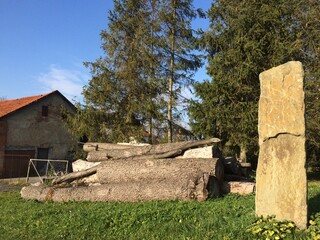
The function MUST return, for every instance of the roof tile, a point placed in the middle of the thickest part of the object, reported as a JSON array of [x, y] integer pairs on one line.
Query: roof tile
[[9, 106]]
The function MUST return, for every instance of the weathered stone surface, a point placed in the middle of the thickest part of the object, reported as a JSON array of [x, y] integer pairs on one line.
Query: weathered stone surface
[[203, 152], [281, 185], [281, 104], [242, 188]]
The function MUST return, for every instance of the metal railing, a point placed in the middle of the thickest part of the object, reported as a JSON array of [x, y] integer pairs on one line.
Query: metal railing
[[47, 169]]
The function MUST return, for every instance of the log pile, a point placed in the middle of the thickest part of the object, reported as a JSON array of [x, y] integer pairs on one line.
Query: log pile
[[144, 172], [192, 170]]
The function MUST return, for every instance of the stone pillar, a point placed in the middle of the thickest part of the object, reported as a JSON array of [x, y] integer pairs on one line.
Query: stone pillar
[[281, 184]]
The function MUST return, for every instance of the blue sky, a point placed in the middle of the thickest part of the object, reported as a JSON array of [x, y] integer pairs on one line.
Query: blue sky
[[43, 44]]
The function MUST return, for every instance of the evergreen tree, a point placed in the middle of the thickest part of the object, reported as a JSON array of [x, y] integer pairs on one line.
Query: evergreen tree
[[244, 39], [309, 18], [178, 43], [125, 91], [148, 60]]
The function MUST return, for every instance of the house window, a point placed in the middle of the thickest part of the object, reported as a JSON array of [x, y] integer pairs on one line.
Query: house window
[[44, 111], [43, 153]]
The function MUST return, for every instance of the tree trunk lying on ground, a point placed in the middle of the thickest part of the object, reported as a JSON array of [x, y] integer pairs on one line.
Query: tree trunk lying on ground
[[75, 175], [122, 170], [95, 146], [150, 151], [140, 173], [182, 188], [140, 169]]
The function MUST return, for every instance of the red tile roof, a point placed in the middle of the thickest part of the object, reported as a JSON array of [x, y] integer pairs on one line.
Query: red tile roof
[[9, 106]]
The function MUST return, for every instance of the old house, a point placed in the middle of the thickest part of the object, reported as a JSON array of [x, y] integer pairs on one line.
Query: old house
[[32, 127]]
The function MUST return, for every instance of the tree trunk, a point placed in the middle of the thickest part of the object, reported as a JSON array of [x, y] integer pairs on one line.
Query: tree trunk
[[243, 154], [171, 80], [158, 169], [167, 189], [149, 151], [75, 175], [94, 146]]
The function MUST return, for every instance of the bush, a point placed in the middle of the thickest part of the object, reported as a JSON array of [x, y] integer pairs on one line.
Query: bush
[[314, 228], [269, 228]]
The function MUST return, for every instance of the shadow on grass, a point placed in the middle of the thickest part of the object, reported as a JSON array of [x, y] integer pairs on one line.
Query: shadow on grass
[[313, 205], [313, 176]]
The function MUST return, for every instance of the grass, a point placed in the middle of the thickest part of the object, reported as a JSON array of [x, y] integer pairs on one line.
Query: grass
[[223, 218]]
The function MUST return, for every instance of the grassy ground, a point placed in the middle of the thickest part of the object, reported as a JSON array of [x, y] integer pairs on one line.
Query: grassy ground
[[223, 218]]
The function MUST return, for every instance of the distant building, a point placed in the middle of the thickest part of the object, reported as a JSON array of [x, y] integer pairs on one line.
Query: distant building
[[181, 134], [32, 127]]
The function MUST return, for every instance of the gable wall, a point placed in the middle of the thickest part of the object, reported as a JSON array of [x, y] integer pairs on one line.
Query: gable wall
[[27, 129]]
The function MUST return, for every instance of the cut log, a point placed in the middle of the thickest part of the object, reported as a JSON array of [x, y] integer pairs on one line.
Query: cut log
[[100, 156], [122, 170], [75, 175], [164, 150], [180, 189], [242, 188], [95, 146]]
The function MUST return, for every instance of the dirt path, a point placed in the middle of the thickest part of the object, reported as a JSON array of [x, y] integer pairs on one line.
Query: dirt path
[[7, 188]]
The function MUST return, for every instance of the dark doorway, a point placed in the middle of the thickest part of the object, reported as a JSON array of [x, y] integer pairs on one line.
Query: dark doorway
[[42, 153], [16, 162]]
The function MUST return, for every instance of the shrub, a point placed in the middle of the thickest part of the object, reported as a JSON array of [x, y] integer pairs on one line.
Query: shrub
[[314, 227], [269, 229]]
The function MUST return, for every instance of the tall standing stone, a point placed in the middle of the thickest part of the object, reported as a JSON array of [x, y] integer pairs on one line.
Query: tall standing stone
[[281, 185]]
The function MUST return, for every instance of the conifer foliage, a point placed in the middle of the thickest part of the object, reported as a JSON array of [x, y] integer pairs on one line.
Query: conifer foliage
[[147, 60], [244, 39]]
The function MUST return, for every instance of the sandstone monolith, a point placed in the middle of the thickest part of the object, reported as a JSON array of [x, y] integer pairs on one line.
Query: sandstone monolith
[[281, 184]]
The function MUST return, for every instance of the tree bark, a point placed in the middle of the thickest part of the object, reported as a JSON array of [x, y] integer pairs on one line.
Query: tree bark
[[75, 175], [149, 151], [158, 169], [243, 154], [179, 189], [124, 170], [94, 146], [172, 70]]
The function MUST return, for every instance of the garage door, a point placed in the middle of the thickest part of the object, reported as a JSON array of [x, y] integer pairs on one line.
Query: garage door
[[16, 163]]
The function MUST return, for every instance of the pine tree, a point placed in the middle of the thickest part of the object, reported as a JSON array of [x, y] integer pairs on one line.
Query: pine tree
[[147, 60], [309, 17], [245, 38], [125, 91], [178, 45]]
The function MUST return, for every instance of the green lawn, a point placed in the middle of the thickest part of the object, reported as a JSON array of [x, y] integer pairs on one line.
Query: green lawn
[[223, 218]]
